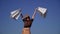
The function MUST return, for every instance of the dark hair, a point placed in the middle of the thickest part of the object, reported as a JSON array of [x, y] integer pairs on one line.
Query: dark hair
[[28, 17]]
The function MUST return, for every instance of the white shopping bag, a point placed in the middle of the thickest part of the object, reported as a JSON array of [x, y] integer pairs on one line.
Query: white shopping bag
[[15, 14], [42, 11]]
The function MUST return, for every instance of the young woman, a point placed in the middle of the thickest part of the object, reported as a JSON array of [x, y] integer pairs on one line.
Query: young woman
[[27, 23]]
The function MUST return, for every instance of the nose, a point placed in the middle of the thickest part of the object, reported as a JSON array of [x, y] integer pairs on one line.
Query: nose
[[27, 19]]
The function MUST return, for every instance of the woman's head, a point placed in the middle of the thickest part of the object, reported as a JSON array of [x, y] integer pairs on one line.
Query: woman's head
[[27, 17]]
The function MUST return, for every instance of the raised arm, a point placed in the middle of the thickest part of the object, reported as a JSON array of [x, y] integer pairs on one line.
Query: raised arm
[[34, 14], [21, 16], [21, 13]]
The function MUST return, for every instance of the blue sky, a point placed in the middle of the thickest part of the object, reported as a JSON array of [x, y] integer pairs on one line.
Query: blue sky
[[48, 25]]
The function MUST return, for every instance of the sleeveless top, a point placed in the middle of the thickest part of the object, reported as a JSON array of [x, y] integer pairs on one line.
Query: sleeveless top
[[27, 23]]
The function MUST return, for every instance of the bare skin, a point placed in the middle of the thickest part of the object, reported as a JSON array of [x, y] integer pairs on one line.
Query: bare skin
[[27, 23]]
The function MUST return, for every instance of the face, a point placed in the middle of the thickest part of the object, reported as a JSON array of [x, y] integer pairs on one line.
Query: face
[[28, 18]]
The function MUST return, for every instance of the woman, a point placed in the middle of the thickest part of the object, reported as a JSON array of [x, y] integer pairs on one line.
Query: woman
[[27, 23]]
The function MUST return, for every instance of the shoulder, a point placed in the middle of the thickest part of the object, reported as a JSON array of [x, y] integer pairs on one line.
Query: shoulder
[[32, 19]]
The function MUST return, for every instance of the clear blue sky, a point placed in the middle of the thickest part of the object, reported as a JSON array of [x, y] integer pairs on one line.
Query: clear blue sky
[[48, 25]]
